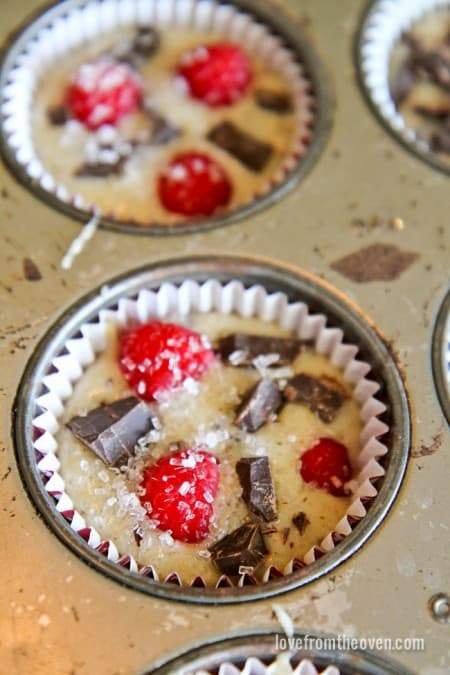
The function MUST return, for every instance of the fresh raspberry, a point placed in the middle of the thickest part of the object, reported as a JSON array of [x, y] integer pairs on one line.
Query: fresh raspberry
[[158, 357], [193, 184], [102, 93], [217, 74], [179, 493], [327, 465]]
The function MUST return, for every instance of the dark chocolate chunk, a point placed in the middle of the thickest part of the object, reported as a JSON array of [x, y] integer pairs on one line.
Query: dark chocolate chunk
[[300, 521], [258, 491], [245, 547], [57, 115], [100, 169], [376, 262], [258, 405], [434, 65], [324, 396], [162, 130], [251, 152], [439, 111], [252, 346], [137, 536], [31, 271], [137, 50], [112, 431], [276, 101]]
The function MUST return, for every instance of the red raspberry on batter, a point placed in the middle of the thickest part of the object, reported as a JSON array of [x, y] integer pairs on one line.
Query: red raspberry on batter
[[193, 184], [102, 93], [217, 74], [180, 490], [327, 465], [157, 357]]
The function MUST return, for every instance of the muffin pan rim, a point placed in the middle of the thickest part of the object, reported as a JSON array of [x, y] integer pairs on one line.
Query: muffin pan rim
[[438, 343], [413, 146], [236, 644], [283, 23], [202, 268]]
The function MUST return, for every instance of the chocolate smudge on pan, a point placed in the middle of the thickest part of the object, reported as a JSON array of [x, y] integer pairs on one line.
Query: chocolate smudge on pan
[[31, 271], [431, 448], [376, 262]]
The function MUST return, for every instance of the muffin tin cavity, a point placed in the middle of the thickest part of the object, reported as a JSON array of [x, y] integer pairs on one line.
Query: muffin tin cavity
[[441, 355], [402, 48], [254, 653], [245, 287], [131, 163]]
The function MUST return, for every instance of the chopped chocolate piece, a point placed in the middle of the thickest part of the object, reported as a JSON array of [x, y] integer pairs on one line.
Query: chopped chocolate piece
[[100, 169], [243, 547], [162, 130], [258, 491], [147, 41], [248, 347], [112, 430], [376, 262], [57, 115], [251, 152], [137, 536], [258, 405], [300, 521], [322, 395], [439, 111], [276, 101], [137, 50]]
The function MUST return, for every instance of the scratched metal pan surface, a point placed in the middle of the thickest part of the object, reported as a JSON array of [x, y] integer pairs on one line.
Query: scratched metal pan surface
[[58, 615]]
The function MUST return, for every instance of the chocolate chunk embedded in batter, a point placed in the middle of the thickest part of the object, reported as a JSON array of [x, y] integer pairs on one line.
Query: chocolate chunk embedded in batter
[[100, 169], [376, 262], [240, 349], [250, 151], [275, 101], [112, 431], [300, 521], [57, 115], [323, 396], [258, 491], [259, 404], [244, 547]]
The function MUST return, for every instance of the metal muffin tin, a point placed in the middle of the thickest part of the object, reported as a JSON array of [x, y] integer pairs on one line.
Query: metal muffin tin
[[380, 17], [297, 286], [281, 24], [441, 355], [58, 614], [261, 644]]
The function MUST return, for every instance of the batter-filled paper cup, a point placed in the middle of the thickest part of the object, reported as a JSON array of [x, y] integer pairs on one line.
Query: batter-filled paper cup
[[384, 25], [58, 34], [280, 666], [194, 299]]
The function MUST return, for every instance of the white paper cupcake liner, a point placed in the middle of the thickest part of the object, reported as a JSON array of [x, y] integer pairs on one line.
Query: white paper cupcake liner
[[280, 666], [230, 298], [383, 27], [81, 24]]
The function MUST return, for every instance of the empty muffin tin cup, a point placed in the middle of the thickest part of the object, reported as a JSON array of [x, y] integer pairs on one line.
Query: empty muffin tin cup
[[381, 29], [263, 652], [246, 287], [260, 27]]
